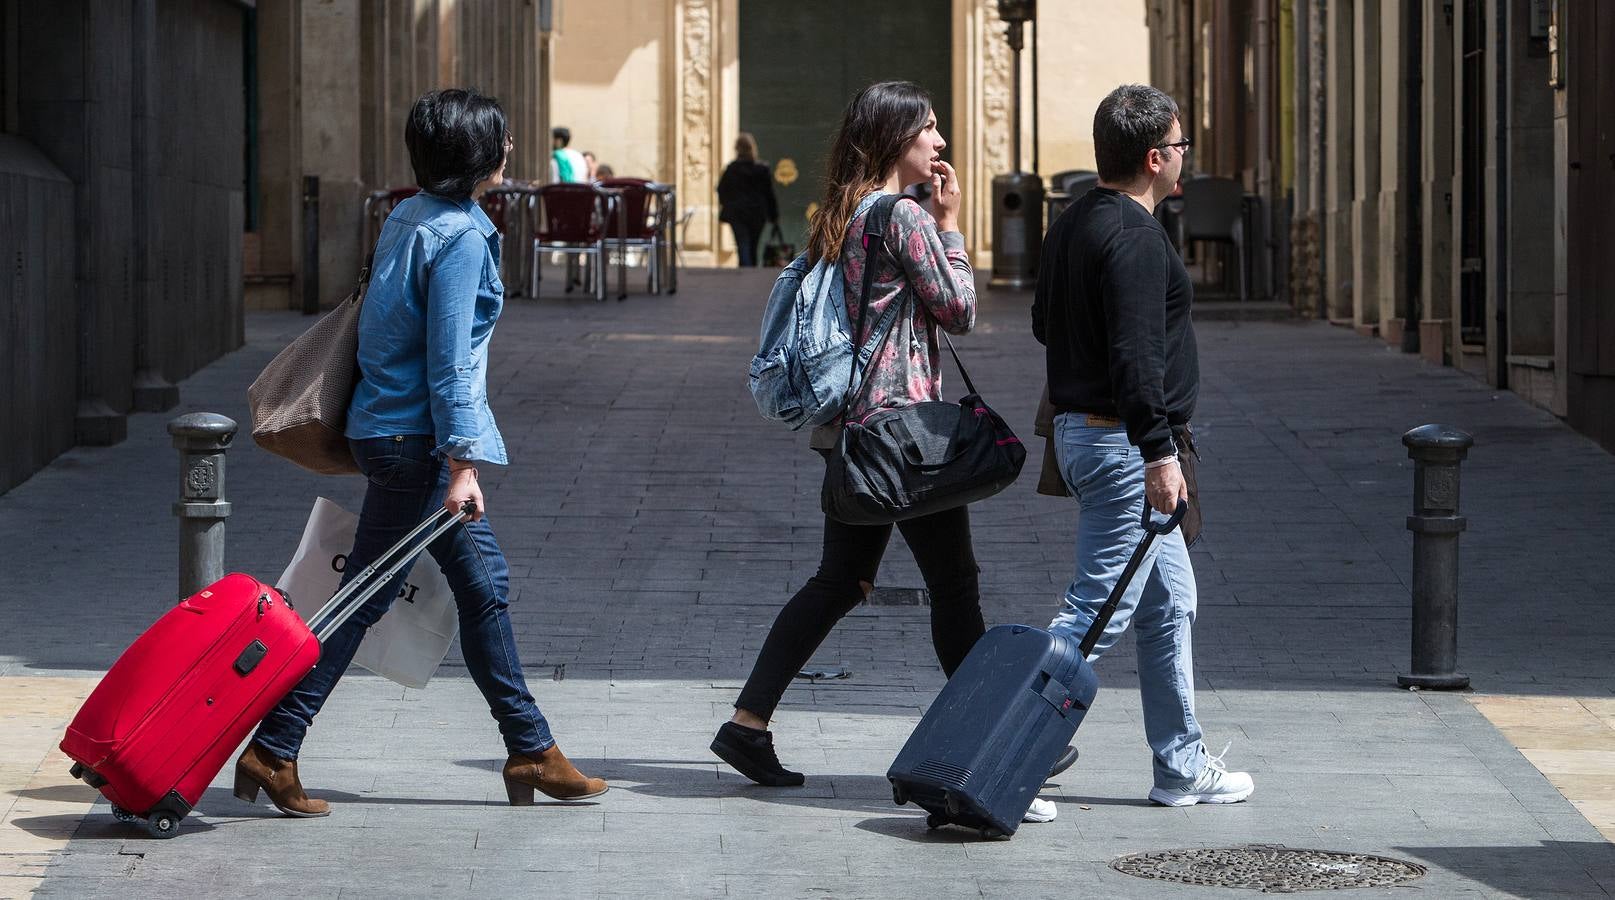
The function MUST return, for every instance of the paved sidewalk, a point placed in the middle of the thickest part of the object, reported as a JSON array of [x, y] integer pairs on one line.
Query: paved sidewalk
[[654, 525]]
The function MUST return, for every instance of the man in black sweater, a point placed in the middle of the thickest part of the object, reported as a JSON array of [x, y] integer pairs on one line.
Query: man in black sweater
[[1112, 309]]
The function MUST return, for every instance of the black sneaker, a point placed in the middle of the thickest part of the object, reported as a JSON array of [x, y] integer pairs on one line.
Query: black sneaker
[[751, 752], [1066, 760]]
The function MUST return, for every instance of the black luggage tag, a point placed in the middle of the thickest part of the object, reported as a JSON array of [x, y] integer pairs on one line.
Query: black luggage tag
[[251, 657], [1054, 692]]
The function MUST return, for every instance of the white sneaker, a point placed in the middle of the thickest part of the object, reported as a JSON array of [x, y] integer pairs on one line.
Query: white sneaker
[[1041, 811], [1215, 785]]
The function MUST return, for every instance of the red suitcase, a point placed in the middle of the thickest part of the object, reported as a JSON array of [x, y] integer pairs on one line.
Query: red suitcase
[[183, 697]]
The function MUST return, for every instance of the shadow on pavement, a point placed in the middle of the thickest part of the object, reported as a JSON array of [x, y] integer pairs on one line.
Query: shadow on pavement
[[1579, 868], [913, 830]]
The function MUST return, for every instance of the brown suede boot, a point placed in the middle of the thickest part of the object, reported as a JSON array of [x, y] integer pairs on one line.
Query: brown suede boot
[[278, 778], [550, 772]]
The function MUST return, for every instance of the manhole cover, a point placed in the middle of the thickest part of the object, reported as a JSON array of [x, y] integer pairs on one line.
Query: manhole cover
[[1271, 869]]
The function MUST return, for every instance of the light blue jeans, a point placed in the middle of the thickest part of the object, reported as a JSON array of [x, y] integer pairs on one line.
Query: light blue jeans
[[1106, 474]]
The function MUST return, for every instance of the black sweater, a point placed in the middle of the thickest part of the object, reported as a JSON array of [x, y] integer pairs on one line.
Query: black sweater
[[1112, 307], [746, 195]]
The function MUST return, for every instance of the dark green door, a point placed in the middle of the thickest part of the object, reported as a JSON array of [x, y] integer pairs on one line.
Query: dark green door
[[800, 62]]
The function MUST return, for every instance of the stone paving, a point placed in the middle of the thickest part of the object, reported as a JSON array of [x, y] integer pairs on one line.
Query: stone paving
[[654, 524]]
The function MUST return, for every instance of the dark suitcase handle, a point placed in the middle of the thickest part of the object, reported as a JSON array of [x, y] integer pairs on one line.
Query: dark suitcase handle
[[1171, 522], [1151, 531]]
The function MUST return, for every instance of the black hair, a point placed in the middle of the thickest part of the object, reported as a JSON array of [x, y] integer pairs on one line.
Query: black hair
[[562, 134], [877, 126], [1130, 122], [456, 138]]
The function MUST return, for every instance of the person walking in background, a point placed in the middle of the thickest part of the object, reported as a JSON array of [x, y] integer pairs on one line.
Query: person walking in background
[[1112, 309], [419, 426], [888, 139], [746, 198], [566, 165]]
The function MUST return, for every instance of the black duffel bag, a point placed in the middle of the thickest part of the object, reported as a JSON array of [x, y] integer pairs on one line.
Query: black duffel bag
[[896, 464]]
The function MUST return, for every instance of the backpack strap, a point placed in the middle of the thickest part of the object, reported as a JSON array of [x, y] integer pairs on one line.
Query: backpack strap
[[874, 238]]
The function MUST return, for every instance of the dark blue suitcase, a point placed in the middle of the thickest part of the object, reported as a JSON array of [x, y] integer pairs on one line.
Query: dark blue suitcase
[[983, 750]]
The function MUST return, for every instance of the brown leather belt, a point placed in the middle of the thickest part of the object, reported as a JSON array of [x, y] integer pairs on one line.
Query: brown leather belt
[[1096, 421]]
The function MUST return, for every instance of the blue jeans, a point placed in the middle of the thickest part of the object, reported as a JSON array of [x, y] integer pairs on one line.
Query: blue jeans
[[1106, 474], [406, 483]]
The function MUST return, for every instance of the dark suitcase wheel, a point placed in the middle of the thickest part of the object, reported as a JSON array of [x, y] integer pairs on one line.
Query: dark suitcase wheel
[[899, 794], [123, 815], [991, 834], [87, 775], [935, 821], [163, 824]]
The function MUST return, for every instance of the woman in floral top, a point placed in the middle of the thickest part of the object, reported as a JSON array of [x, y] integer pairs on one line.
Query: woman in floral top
[[888, 140]]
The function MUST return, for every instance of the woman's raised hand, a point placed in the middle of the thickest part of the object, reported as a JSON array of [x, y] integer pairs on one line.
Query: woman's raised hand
[[945, 196]]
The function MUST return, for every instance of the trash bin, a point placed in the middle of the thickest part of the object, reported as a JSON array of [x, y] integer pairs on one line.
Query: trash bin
[[1017, 229]]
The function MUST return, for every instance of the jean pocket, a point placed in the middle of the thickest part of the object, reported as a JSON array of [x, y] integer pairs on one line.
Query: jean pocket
[[388, 462]]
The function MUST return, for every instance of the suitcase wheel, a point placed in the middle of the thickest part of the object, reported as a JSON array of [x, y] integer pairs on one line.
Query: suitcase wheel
[[123, 815], [935, 821], [991, 834], [163, 824], [87, 775], [899, 794]]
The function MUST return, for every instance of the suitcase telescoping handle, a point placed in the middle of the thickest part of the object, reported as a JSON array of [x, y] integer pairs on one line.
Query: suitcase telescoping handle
[[1151, 531], [358, 592]]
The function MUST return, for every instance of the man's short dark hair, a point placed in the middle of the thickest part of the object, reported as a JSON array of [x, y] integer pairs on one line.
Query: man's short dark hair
[[561, 133], [1130, 121], [456, 138]]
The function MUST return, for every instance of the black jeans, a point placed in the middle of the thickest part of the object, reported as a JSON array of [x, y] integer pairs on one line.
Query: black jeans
[[746, 238], [852, 553]]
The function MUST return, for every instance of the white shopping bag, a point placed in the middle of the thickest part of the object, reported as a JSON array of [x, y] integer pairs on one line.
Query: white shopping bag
[[410, 641]]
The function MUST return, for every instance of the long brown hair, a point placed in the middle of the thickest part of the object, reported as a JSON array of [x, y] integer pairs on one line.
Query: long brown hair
[[875, 130]]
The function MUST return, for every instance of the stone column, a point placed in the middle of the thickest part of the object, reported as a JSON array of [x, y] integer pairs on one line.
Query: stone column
[[1391, 202], [1528, 183], [332, 136], [151, 392], [1365, 212], [698, 101], [1440, 101], [1561, 218], [280, 156], [982, 76], [1339, 165]]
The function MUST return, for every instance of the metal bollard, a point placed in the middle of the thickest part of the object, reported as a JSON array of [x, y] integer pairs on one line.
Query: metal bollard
[[1436, 451], [202, 439]]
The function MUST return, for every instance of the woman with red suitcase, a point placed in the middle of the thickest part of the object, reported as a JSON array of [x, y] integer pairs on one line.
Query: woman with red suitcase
[[419, 426]]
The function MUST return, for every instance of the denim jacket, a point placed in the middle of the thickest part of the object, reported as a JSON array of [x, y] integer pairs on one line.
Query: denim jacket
[[433, 300]]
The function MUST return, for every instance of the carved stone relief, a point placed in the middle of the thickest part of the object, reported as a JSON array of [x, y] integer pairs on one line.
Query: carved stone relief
[[699, 101], [996, 85]]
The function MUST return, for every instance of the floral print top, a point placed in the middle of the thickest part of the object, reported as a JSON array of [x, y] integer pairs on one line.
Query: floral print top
[[920, 263]]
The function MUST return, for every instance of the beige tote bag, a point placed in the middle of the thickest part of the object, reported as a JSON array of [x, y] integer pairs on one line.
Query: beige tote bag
[[299, 402]]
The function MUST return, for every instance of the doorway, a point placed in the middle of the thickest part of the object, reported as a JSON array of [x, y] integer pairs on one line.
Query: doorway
[[801, 62]]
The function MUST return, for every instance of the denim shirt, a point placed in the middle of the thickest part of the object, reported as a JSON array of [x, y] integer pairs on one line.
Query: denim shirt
[[433, 299]]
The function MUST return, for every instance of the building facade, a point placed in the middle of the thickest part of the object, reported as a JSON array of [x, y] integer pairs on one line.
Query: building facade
[[333, 82], [121, 192], [166, 164], [660, 89], [1432, 172]]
